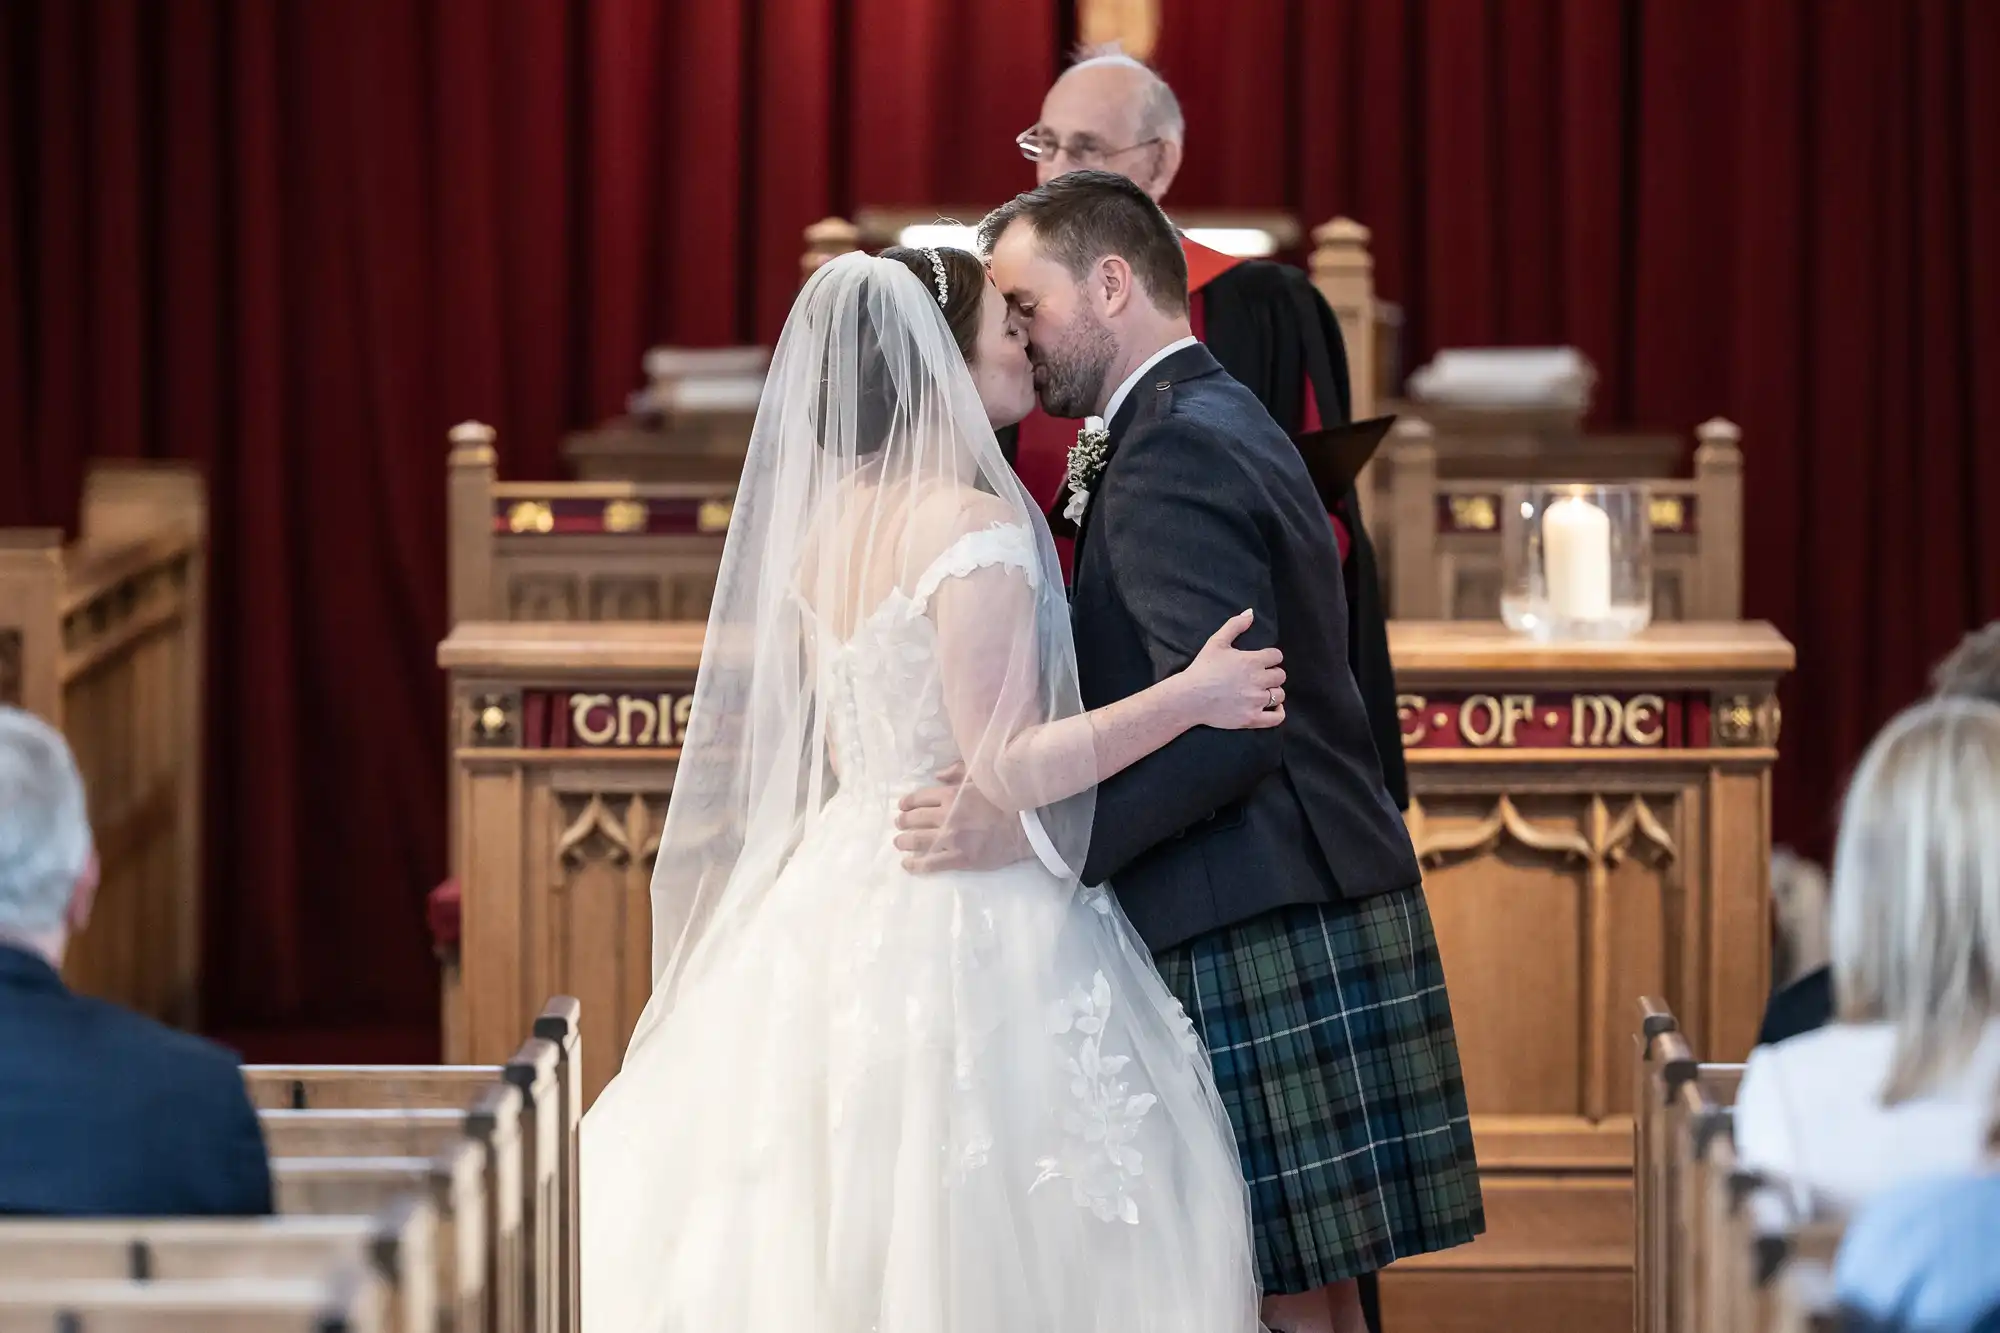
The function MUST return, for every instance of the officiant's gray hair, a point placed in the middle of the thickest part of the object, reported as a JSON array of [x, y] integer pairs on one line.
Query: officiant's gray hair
[[1159, 110]]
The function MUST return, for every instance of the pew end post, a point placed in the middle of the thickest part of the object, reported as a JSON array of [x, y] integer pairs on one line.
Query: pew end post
[[1718, 496]]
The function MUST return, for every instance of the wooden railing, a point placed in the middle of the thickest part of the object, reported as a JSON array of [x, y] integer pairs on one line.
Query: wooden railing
[[103, 637]]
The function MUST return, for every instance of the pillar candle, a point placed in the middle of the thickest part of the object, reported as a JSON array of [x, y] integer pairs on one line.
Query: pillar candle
[[1576, 559]]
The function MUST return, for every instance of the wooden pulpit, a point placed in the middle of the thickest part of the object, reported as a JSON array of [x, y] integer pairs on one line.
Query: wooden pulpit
[[565, 741], [1594, 825]]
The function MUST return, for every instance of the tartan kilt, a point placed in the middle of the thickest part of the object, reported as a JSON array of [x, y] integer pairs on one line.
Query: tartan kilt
[[1330, 1032]]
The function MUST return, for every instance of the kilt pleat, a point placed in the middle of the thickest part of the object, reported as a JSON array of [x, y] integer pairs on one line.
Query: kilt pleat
[[1330, 1031]]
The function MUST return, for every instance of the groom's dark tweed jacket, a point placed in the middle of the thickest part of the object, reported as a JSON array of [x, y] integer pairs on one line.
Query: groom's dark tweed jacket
[[1205, 508]]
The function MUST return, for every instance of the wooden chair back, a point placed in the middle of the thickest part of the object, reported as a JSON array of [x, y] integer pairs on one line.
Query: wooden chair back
[[349, 1300], [547, 1133], [1444, 560], [1664, 1063], [568, 551], [493, 1122], [453, 1183], [105, 637], [399, 1244]]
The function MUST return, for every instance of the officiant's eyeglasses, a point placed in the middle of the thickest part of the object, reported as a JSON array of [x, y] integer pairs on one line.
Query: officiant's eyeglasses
[[1041, 145]]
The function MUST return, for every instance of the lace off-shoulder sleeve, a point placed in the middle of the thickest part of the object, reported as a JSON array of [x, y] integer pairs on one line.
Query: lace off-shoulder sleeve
[[1007, 544]]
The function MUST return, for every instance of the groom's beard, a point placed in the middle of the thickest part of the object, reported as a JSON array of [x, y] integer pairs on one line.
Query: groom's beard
[[1069, 376]]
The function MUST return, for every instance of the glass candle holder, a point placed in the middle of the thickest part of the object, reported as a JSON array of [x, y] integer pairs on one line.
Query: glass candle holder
[[1576, 559]]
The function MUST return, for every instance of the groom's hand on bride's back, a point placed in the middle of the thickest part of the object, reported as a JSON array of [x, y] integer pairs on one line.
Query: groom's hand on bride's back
[[952, 827]]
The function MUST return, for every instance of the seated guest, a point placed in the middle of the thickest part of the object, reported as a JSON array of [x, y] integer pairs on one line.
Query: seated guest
[[1972, 671], [1798, 903], [1922, 1259], [1898, 1088], [102, 1112]]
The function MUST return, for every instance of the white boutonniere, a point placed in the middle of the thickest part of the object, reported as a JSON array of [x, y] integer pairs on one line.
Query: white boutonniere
[[1086, 464]]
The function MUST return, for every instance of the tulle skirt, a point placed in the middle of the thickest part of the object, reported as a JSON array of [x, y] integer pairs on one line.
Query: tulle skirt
[[957, 1103]]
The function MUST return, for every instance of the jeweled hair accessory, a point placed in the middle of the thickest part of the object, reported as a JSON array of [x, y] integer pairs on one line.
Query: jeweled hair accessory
[[937, 273]]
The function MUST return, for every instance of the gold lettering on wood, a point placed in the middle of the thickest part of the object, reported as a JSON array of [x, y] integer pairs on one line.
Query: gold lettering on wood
[[1410, 712], [581, 706], [1607, 719], [1473, 733], [644, 709], [1637, 709], [1473, 513], [531, 516], [683, 710], [713, 515], [1639, 721], [626, 516], [1503, 713]]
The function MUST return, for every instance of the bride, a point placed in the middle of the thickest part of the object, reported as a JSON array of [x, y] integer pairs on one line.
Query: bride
[[862, 1100]]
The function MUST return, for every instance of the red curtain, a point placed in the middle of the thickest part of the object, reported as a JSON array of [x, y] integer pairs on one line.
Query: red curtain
[[1780, 211], [297, 241]]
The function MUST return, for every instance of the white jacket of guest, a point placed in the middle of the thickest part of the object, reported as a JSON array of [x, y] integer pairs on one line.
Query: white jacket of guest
[[1813, 1110]]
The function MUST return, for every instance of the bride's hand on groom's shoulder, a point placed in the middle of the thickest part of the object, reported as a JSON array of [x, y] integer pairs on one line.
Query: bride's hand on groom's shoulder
[[1232, 689], [953, 827]]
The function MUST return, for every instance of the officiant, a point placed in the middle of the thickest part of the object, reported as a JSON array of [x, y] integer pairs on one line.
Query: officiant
[[1264, 321]]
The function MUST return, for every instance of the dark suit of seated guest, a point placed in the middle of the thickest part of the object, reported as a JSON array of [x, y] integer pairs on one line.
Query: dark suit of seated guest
[[102, 1112], [1805, 1005]]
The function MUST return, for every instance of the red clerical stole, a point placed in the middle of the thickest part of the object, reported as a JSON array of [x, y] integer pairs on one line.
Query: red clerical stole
[[1043, 443]]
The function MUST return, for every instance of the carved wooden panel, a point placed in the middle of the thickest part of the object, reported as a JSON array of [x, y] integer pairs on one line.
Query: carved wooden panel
[[1548, 906], [541, 596], [629, 597], [597, 943]]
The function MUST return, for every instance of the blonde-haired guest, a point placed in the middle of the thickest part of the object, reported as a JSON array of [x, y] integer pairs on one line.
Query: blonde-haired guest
[[1898, 1088]]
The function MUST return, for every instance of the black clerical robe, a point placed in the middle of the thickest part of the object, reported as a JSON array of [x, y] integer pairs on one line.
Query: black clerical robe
[[1273, 333]]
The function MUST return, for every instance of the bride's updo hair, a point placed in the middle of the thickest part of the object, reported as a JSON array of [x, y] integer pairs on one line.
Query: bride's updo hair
[[867, 379], [965, 288]]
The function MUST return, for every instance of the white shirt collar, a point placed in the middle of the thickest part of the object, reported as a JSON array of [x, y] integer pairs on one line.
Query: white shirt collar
[[1125, 389]]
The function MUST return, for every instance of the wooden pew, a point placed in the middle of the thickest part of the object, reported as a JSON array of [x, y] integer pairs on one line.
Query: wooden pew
[[1715, 1242], [454, 1184], [548, 1129], [350, 1300], [493, 1122], [1443, 545], [1803, 1301], [398, 1244], [572, 550], [1664, 1063], [104, 637], [1753, 1235]]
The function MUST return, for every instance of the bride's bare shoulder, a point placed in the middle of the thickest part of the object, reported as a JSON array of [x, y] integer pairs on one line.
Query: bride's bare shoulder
[[952, 511]]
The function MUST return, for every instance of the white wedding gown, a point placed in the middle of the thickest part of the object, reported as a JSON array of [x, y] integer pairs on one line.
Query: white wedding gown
[[957, 1103]]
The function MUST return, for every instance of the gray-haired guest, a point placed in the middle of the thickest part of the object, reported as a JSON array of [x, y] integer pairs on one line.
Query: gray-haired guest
[[102, 1112]]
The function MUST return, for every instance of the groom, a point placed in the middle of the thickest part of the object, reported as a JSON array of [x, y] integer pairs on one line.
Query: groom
[[1269, 871]]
